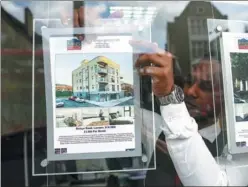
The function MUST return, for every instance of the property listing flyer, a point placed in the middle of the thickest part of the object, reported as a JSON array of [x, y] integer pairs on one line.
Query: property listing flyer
[[240, 88], [93, 97], [235, 71]]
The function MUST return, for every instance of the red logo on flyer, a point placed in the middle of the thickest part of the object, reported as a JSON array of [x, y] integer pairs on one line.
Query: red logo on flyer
[[243, 43], [74, 44]]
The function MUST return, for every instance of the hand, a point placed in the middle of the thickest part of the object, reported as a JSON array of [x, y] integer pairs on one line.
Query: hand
[[92, 14], [161, 70]]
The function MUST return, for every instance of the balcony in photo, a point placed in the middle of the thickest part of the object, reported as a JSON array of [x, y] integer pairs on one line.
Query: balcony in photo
[[102, 70], [102, 80]]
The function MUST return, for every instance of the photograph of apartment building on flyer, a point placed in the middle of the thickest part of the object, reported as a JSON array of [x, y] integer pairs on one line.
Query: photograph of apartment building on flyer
[[92, 80]]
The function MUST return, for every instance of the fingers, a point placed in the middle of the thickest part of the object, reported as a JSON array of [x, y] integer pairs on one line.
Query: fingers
[[78, 17], [75, 18], [156, 59], [150, 58], [76, 23], [81, 14], [64, 17], [152, 71]]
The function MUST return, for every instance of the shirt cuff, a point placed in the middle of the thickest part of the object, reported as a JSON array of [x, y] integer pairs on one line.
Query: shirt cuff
[[178, 123]]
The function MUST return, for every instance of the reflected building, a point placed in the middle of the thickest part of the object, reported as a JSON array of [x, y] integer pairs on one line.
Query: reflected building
[[16, 98], [16, 72], [187, 36]]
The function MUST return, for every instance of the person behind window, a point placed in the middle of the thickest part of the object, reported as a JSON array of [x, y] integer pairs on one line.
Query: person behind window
[[199, 101], [192, 159]]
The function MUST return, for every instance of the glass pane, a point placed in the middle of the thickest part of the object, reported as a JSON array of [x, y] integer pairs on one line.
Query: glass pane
[[230, 44], [181, 27], [92, 126]]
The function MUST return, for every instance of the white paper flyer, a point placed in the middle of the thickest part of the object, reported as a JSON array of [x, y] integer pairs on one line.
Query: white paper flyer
[[93, 95], [235, 69]]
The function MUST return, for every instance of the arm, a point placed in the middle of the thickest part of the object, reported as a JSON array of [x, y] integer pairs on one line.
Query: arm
[[192, 159]]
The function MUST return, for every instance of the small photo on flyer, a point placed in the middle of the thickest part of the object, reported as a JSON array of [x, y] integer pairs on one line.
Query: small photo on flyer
[[66, 118], [121, 115], [95, 116]]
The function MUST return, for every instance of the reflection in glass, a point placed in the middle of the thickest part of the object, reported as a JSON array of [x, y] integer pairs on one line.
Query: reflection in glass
[[16, 75]]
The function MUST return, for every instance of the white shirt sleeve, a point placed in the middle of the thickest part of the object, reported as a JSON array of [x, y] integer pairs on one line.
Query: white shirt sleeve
[[192, 159]]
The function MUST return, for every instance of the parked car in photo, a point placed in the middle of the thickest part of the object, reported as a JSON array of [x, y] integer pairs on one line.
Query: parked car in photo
[[59, 103], [80, 100], [72, 98]]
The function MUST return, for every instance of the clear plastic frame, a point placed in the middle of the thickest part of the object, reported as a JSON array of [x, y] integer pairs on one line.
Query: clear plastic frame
[[93, 99], [228, 45]]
